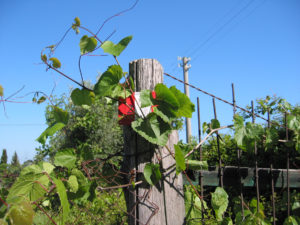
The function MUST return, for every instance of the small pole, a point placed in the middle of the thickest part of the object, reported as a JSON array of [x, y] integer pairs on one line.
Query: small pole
[[256, 166], [238, 156], [186, 68], [200, 150], [218, 146], [287, 166], [272, 177]]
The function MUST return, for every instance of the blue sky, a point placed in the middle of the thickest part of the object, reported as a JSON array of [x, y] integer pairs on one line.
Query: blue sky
[[254, 44]]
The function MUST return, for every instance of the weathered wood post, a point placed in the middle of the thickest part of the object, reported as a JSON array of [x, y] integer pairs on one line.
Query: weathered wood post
[[164, 202]]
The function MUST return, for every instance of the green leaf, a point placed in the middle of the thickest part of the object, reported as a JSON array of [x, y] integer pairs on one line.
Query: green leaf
[[153, 129], [165, 95], [186, 107], [77, 21], [73, 184], [145, 98], [293, 122], [152, 173], [21, 214], [60, 115], [55, 62], [240, 130], [180, 161], [109, 81], [49, 132], [205, 127], [290, 221], [28, 186], [2, 222], [65, 158], [44, 58], [82, 97], [271, 137], [219, 202], [41, 100], [116, 50], [196, 165], [1, 90], [62, 193], [215, 124], [87, 44], [193, 206]]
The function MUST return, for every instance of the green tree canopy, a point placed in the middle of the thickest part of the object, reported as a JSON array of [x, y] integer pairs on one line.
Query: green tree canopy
[[3, 157]]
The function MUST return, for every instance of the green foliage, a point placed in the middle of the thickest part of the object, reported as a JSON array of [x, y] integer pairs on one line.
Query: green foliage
[[116, 49], [76, 25], [3, 157], [196, 165], [49, 132], [87, 44], [292, 221], [152, 173], [82, 97]]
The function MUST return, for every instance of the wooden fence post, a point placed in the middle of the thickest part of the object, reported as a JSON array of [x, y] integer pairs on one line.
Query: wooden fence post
[[164, 202]]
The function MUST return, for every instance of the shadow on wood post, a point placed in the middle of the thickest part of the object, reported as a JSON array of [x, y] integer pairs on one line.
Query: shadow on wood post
[[163, 203]]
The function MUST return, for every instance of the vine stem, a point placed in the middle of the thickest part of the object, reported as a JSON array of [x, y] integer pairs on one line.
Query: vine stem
[[205, 138], [49, 217]]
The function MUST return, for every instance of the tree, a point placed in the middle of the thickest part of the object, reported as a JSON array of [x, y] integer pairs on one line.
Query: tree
[[4, 157], [15, 160]]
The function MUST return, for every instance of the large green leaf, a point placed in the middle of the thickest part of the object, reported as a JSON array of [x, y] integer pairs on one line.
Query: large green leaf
[[219, 202], [180, 161], [60, 115], [145, 98], [152, 173], [290, 221], [49, 132], [117, 49], [28, 186], [109, 81], [65, 158], [21, 214], [165, 95], [240, 130], [186, 107], [62, 193], [87, 44], [153, 129], [82, 97], [196, 165]]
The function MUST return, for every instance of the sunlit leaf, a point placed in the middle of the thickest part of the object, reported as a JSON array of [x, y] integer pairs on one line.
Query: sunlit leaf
[[73, 184], [196, 165], [62, 193], [116, 50], [41, 100], [108, 81], [1, 90], [87, 44], [44, 58], [21, 214], [152, 173], [65, 158], [215, 124], [153, 129], [82, 97], [77, 21], [180, 161], [60, 115], [219, 202], [49, 132], [55, 62]]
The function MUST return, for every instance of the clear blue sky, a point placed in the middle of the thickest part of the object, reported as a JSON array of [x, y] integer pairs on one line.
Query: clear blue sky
[[253, 43]]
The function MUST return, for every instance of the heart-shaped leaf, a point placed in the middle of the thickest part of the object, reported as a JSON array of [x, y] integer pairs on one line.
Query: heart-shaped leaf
[[116, 50], [109, 81], [152, 173], [87, 44], [153, 129], [82, 97], [65, 158]]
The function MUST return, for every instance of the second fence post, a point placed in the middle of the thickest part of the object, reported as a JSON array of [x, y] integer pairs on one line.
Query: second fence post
[[164, 202]]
